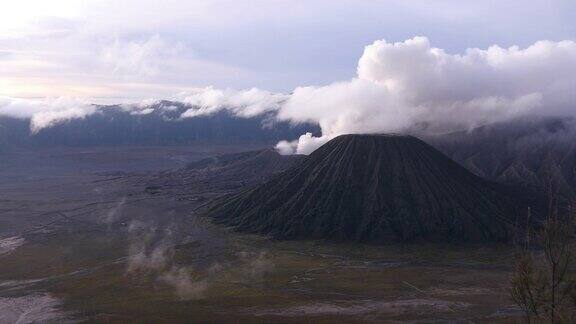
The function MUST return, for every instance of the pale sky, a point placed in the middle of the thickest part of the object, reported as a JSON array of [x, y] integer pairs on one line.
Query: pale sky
[[135, 49]]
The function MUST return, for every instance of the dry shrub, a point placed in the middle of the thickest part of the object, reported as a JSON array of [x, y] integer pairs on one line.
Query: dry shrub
[[543, 283]]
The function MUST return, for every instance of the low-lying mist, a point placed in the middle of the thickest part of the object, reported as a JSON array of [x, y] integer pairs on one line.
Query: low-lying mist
[[152, 253]]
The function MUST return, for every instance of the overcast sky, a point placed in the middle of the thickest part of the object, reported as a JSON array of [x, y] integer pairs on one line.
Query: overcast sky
[[153, 49]]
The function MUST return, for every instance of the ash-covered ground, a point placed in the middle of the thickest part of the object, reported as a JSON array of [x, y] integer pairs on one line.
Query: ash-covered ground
[[115, 235]]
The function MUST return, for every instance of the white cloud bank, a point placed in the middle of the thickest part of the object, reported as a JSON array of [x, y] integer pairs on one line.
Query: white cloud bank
[[399, 85], [49, 112], [406, 84], [45, 113], [245, 103]]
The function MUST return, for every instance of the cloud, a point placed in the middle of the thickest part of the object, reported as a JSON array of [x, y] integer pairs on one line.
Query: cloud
[[96, 48], [145, 111], [245, 103], [400, 85], [80, 63], [49, 112], [46, 119], [45, 113], [406, 84], [426, 76], [140, 58]]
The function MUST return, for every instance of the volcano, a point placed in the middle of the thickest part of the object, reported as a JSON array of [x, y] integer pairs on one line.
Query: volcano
[[374, 188]]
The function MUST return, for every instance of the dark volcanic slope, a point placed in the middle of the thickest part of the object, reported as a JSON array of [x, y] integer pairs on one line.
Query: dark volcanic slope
[[226, 172], [372, 188], [244, 164], [531, 152], [246, 168]]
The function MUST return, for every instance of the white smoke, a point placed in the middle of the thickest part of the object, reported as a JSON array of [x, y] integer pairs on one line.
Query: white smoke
[[305, 144], [185, 286], [152, 252], [9, 244], [254, 266], [34, 308], [150, 248]]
